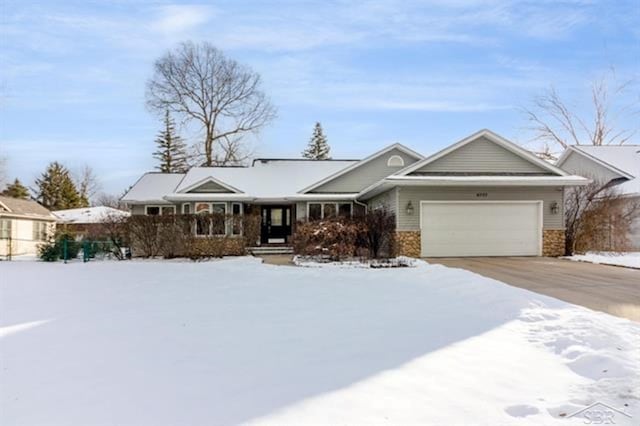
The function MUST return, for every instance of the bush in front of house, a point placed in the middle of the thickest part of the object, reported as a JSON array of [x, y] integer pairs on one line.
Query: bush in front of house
[[173, 236], [371, 235], [55, 249], [333, 239]]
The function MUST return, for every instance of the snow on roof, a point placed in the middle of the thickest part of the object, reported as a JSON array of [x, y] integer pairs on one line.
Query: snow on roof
[[18, 206], [88, 214], [269, 179], [152, 187], [622, 157]]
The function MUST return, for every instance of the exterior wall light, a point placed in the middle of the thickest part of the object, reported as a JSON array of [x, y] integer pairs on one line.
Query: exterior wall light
[[554, 207], [409, 209]]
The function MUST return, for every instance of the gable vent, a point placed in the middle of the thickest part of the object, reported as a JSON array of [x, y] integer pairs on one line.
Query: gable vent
[[395, 161]]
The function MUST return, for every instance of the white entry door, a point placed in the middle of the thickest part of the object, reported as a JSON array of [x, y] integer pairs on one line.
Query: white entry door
[[481, 228]]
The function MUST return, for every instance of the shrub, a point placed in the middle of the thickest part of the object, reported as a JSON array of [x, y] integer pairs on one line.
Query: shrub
[[598, 217], [49, 252], [331, 238], [55, 250], [371, 235], [380, 226], [174, 235]]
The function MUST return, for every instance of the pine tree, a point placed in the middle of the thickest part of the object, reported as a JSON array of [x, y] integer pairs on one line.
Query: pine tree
[[172, 151], [318, 148], [16, 190], [56, 190]]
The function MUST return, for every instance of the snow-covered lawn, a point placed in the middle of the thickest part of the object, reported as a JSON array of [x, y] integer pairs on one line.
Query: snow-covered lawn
[[628, 259], [235, 341]]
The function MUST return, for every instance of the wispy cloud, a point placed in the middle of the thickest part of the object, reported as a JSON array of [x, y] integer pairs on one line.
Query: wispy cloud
[[173, 19]]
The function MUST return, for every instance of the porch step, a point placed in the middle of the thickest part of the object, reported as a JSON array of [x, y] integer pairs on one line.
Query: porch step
[[262, 250]]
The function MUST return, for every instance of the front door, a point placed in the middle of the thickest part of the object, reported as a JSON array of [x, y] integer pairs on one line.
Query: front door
[[276, 224]]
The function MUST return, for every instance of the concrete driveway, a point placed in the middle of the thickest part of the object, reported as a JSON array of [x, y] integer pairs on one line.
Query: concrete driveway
[[610, 289]]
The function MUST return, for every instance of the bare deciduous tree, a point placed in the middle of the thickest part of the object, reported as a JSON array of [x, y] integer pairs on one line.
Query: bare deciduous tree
[[597, 217], [200, 84], [87, 183], [108, 200], [557, 125]]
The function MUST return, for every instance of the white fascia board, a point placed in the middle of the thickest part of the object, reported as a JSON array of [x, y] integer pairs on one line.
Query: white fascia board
[[354, 166], [50, 218], [143, 202], [576, 149], [492, 136], [5, 207], [489, 180], [304, 197]]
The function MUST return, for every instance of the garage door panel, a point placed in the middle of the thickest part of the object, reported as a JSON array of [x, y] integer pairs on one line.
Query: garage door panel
[[480, 229]]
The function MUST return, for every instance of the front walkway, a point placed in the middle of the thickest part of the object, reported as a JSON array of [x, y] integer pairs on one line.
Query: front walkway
[[610, 289], [277, 259]]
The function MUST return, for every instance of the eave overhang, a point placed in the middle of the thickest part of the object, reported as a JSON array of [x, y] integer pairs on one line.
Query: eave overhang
[[483, 181]]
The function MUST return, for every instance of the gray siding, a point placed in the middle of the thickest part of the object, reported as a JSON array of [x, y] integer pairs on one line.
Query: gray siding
[[417, 194], [634, 234], [365, 175], [208, 187], [386, 199], [301, 210], [583, 166], [482, 156], [137, 209]]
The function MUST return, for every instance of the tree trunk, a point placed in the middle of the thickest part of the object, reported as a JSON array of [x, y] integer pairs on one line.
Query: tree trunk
[[208, 148]]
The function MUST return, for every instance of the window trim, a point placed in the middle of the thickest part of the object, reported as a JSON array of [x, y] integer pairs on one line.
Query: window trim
[[182, 208], [335, 203]]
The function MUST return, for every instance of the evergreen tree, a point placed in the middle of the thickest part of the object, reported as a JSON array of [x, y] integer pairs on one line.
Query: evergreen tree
[[318, 148], [172, 152], [16, 190], [56, 190]]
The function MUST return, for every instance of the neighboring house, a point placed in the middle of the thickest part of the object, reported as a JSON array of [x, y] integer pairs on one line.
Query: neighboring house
[[24, 225], [483, 196], [616, 165], [87, 220]]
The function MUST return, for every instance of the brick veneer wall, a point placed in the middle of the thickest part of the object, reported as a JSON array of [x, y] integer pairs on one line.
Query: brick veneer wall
[[408, 243], [553, 242]]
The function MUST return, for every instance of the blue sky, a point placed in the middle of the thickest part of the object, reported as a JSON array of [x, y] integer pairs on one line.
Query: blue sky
[[423, 73]]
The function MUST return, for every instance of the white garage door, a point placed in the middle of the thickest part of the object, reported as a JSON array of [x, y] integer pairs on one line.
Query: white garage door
[[481, 228]]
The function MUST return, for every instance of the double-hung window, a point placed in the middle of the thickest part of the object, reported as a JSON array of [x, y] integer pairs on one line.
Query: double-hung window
[[236, 225], [39, 231], [211, 219], [159, 210], [218, 219], [5, 229], [317, 211]]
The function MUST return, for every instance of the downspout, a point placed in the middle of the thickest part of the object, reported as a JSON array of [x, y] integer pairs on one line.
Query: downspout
[[366, 207]]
